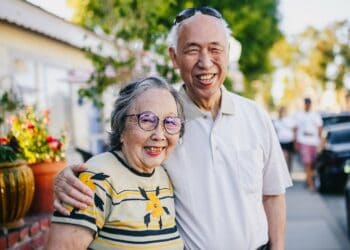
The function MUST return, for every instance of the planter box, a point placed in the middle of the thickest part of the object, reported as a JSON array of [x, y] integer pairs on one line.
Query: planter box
[[16, 193], [44, 174]]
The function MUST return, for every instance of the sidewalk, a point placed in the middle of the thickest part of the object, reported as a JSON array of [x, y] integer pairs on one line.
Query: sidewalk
[[310, 223]]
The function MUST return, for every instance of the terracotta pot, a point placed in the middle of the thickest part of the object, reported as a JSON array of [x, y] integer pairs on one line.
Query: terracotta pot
[[16, 192], [44, 174]]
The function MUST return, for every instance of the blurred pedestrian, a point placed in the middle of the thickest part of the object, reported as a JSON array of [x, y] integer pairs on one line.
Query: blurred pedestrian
[[347, 102], [284, 126], [308, 135]]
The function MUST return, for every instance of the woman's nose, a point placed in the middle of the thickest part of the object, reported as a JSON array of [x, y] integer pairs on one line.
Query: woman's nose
[[159, 132]]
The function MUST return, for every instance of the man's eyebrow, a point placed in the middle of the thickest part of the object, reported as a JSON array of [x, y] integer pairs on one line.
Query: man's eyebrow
[[192, 44], [217, 44]]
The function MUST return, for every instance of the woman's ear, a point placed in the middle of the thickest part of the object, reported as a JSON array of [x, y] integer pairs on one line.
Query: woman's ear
[[121, 138]]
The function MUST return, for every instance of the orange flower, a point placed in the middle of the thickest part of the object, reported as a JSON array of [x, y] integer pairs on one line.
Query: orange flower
[[4, 140], [53, 143], [35, 142]]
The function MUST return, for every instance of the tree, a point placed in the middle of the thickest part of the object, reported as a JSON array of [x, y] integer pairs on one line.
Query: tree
[[314, 56], [254, 24]]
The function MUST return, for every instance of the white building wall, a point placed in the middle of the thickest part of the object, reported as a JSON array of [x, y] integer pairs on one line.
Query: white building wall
[[39, 67]]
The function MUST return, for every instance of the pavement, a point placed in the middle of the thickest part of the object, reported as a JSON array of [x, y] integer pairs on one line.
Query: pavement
[[311, 225]]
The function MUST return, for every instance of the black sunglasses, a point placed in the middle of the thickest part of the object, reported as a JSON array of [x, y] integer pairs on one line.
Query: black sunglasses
[[187, 13]]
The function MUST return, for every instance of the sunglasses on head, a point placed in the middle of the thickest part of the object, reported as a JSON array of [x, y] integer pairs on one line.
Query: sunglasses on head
[[187, 13]]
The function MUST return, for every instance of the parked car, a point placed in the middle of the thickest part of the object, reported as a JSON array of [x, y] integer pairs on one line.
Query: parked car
[[347, 202], [331, 172], [330, 119]]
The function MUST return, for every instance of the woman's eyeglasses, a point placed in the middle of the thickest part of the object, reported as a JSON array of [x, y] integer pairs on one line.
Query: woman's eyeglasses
[[149, 121], [187, 13]]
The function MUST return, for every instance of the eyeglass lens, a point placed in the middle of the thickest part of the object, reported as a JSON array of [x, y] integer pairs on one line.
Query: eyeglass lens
[[149, 121]]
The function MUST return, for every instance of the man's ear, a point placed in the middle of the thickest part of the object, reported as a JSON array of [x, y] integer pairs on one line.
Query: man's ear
[[173, 57]]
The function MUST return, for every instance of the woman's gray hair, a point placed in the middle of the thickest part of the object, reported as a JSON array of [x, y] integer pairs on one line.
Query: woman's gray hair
[[126, 98], [173, 35]]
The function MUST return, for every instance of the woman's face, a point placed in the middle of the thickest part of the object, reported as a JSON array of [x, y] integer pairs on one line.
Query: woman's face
[[145, 150]]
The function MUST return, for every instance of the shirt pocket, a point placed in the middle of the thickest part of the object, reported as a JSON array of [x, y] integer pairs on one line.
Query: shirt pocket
[[250, 167]]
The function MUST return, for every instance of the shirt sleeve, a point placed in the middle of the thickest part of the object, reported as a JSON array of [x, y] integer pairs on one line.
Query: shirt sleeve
[[94, 216], [276, 177]]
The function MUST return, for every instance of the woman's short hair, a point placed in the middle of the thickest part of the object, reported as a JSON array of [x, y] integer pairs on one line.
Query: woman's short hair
[[126, 98]]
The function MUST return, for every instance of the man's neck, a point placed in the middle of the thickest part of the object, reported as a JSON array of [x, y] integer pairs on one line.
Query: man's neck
[[211, 105]]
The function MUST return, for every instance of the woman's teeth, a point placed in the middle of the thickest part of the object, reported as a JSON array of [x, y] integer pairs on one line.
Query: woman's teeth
[[154, 149]]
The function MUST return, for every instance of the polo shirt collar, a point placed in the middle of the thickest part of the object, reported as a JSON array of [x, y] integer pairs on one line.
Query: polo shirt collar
[[191, 111]]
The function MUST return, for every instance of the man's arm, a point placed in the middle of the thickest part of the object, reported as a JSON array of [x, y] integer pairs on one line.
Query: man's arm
[[275, 209], [70, 190]]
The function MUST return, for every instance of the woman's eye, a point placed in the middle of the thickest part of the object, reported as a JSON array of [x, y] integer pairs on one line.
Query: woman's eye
[[147, 119]]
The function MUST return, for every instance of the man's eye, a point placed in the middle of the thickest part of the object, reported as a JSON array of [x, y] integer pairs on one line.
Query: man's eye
[[216, 50], [192, 51]]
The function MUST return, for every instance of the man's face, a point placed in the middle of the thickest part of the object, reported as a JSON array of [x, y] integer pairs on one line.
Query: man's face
[[201, 56], [307, 106]]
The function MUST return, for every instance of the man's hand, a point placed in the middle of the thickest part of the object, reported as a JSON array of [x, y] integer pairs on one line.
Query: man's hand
[[70, 190]]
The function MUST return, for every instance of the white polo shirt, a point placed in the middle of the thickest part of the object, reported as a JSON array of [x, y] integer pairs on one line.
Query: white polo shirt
[[308, 124], [220, 172], [284, 128]]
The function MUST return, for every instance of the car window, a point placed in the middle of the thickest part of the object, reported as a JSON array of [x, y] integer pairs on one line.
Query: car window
[[338, 137], [335, 119]]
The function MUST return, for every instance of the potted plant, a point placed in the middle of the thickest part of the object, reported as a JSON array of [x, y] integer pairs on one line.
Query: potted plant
[[16, 184], [44, 153]]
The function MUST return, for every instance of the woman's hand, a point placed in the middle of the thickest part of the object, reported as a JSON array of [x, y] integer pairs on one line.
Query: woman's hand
[[70, 190]]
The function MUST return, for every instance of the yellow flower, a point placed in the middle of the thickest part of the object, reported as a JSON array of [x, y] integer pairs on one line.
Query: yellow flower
[[85, 177], [154, 206], [36, 144]]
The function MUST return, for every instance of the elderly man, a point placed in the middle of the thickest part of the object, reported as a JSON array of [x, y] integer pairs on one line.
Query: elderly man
[[229, 173]]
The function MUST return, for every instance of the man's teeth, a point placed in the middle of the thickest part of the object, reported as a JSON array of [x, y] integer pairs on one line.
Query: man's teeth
[[206, 76]]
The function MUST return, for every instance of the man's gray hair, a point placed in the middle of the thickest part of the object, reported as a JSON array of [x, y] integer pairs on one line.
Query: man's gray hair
[[173, 35], [127, 97]]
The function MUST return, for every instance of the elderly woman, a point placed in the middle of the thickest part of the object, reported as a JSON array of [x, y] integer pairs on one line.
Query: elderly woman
[[133, 196]]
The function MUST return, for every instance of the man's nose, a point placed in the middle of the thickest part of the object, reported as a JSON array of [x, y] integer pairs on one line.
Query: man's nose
[[205, 60]]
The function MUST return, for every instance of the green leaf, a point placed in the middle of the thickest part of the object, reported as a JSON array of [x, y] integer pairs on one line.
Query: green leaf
[[166, 210], [143, 193], [160, 222], [147, 219], [98, 202], [99, 176]]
